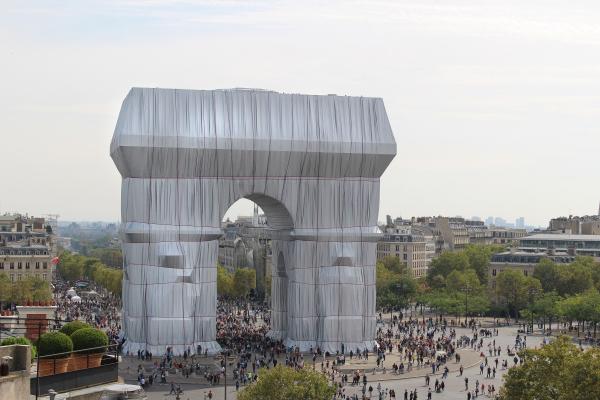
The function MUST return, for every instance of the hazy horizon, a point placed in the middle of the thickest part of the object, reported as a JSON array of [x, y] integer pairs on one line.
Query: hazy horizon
[[495, 106]]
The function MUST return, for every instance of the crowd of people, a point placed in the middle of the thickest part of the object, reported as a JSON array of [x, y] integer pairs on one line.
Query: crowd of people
[[402, 345], [92, 304]]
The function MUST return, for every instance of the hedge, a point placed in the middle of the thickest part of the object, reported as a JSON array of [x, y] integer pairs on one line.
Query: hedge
[[71, 327], [53, 343], [20, 340], [89, 338]]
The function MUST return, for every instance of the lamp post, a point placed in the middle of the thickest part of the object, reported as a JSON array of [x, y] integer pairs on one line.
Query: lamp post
[[224, 353], [532, 292], [467, 288], [402, 288]]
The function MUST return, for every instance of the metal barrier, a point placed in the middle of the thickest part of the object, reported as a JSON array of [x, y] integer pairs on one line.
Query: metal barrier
[[84, 373]]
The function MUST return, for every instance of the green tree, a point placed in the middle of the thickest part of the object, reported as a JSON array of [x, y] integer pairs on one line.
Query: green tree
[[244, 279], [443, 265], [583, 307], [557, 371], [224, 282], [547, 273], [513, 290], [393, 264], [395, 287], [479, 257], [70, 266], [40, 289], [574, 278], [284, 383], [546, 307], [109, 256], [5, 288]]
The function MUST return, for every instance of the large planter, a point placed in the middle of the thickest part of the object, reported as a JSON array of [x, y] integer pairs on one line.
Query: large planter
[[52, 366], [54, 349], [83, 361], [90, 345]]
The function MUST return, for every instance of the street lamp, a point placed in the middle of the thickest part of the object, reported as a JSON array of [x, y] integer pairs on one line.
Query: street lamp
[[401, 287], [467, 288], [532, 292]]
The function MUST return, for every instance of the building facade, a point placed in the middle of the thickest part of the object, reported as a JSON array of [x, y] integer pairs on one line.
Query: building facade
[[505, 236], [582, 245], [586, 225], [26, 248], [522, 261], [411, 246]]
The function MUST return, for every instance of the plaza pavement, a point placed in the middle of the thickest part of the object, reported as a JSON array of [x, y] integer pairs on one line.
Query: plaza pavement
[[455, 386]]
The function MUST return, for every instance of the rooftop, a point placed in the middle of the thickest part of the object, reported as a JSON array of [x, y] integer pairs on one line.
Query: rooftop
[[563, 236]]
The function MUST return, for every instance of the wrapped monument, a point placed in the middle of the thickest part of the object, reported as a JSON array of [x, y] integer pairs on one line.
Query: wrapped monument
[[312, 163]]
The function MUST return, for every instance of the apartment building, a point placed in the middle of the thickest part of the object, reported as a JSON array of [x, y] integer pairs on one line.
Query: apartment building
[[414, 247], [26, 247]]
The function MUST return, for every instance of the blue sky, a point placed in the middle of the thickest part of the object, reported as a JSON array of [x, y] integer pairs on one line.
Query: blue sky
[[495, 104]]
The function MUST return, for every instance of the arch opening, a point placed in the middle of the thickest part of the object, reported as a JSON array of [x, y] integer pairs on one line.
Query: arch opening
[[257, 240]]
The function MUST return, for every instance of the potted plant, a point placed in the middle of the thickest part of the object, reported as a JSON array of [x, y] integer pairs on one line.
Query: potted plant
[[70, 327], [20, 340], [89, 345], [55, 350]]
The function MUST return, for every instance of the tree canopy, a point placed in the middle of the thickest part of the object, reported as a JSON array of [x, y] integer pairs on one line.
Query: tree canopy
[[31, 288], [235, 284], [75, 266], [557, 371], [395, 285], [515, 290], [284, 383]]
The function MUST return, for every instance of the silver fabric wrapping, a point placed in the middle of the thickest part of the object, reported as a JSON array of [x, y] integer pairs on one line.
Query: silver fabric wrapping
[[312, 163]]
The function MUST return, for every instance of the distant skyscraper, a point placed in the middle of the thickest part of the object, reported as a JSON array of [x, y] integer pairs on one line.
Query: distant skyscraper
[[489, 221], [475, 218], [520, 222], [499, 221]]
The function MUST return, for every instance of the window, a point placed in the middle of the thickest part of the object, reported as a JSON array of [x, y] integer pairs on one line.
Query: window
[[19, 265], [37, 265], [27, 265], [397, 247], [19, 277], [525, 272], [12, 266], [1, 265], [493, 272], [12, 277], [45, 277]]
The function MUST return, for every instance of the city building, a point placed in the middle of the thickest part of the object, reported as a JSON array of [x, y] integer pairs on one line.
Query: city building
[[584, 245], [478, 232], [27, 247], [506, 236], [522, 261], [520, 223], [414, 247], [586, 225]]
